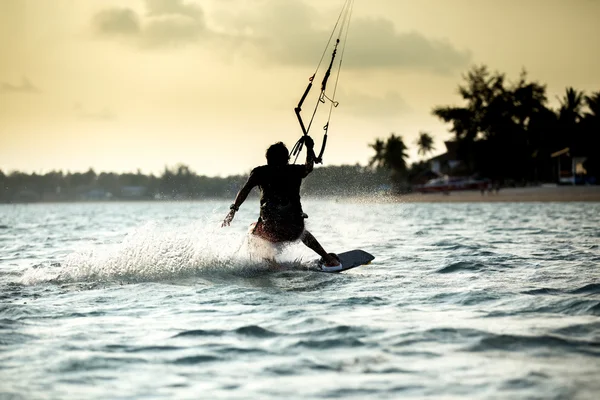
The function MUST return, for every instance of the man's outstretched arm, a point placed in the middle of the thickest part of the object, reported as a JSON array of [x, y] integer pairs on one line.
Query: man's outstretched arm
[[310, 154], [239, 200]]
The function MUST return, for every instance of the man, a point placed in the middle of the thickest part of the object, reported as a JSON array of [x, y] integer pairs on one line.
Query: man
[[281, 216]]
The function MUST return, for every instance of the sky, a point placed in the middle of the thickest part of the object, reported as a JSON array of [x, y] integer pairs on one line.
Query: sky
[[119, 85]]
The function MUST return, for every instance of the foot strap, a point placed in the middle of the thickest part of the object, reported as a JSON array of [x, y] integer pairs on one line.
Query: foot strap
[[332, 268]]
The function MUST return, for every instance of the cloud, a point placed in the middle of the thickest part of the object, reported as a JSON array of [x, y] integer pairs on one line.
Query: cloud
[[288, 34], [165, 23], [172, 30], [102, 115], [376, 44], [117, 21], [276, 32], [174, 7], [24, 87]]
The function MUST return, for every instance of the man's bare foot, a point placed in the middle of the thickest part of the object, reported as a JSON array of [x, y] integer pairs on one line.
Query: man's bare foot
[[331, 260]]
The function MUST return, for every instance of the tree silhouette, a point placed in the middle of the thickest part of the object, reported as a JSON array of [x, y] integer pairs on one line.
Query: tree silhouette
[[395, 154], [424, 143], [504, 130], [591, 134], [378, 159], [391, 155], [593, 103], [571, 106]]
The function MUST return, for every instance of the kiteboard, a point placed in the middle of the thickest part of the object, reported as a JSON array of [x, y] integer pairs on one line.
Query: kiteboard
[[349, 259]]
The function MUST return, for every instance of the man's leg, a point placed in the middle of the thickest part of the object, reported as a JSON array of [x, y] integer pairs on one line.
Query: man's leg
[[309, 240]]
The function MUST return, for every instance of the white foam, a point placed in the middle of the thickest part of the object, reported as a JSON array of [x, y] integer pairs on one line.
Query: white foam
[[155, 252]]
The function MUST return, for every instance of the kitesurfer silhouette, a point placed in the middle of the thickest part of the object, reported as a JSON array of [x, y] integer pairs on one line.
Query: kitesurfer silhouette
[[281, 216]]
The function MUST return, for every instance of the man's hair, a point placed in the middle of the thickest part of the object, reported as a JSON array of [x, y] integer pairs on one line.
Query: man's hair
[[277, 154]]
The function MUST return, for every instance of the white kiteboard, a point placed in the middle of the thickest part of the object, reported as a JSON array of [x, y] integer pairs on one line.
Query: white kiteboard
[[349, 259]]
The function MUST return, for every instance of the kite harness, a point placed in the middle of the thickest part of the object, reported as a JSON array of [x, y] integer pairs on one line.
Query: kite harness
[[341, 27]]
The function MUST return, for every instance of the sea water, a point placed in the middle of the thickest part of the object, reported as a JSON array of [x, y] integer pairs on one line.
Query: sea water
[[156, 300]]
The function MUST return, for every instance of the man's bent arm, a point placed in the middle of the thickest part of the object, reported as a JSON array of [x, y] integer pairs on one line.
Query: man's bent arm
[[239, 199], [243, 194], [310, 160]]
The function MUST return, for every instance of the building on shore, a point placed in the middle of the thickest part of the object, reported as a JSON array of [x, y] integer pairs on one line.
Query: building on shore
[[569, 166], [443, 164]]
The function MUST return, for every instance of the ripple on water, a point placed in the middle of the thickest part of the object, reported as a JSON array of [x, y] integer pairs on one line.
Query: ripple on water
[[569, 306], [461, 266], [547, 291], [530, 380], [141, 349], [589, 331], [547, 343], [255, 331], [325, 344], [91, 363], [550, 304], [592, 288], [199, 333], [197, 359], [248, 331]]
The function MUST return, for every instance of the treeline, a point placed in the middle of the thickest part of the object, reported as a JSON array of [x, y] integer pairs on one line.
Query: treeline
[[179, 183], [507, 130]]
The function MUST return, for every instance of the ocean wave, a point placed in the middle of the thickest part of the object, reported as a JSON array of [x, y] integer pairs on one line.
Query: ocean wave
[[364, 300], [324, 344], [506, 342], [589, 288], [248, 331], [550, 291], [144, 349], [461, 266], [199, 333], [441, 335], [552, 305], [255, 331], [590, 330], [17, 312], [450, 245], [466, 298], [572, 306], [339, 331], [530, 380], [92, 363], [194, 360]]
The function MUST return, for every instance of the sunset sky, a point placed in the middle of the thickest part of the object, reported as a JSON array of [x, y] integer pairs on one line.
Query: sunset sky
[[119, 85]]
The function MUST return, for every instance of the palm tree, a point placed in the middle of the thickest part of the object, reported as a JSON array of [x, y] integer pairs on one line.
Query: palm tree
[[593, 103], [395, 154], [591, 133], [391, 155], [570, 115], [425, 143], [571, 106], [378, 159]]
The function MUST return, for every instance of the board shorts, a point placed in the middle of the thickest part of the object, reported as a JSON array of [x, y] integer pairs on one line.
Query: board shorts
[[277, 232], [279, 223], [279, 228]]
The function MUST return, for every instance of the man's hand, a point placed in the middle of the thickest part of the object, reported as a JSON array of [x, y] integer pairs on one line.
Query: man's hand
[[308, 142], [228, 218]]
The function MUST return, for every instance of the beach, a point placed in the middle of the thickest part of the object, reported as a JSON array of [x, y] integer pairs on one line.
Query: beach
[[523, 194]]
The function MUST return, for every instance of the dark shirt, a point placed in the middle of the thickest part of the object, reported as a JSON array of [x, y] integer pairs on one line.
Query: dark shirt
[[279, 190]]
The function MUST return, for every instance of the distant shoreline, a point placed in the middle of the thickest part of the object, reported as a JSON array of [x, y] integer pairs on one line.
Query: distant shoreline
[[547, 193], [505, 195]]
